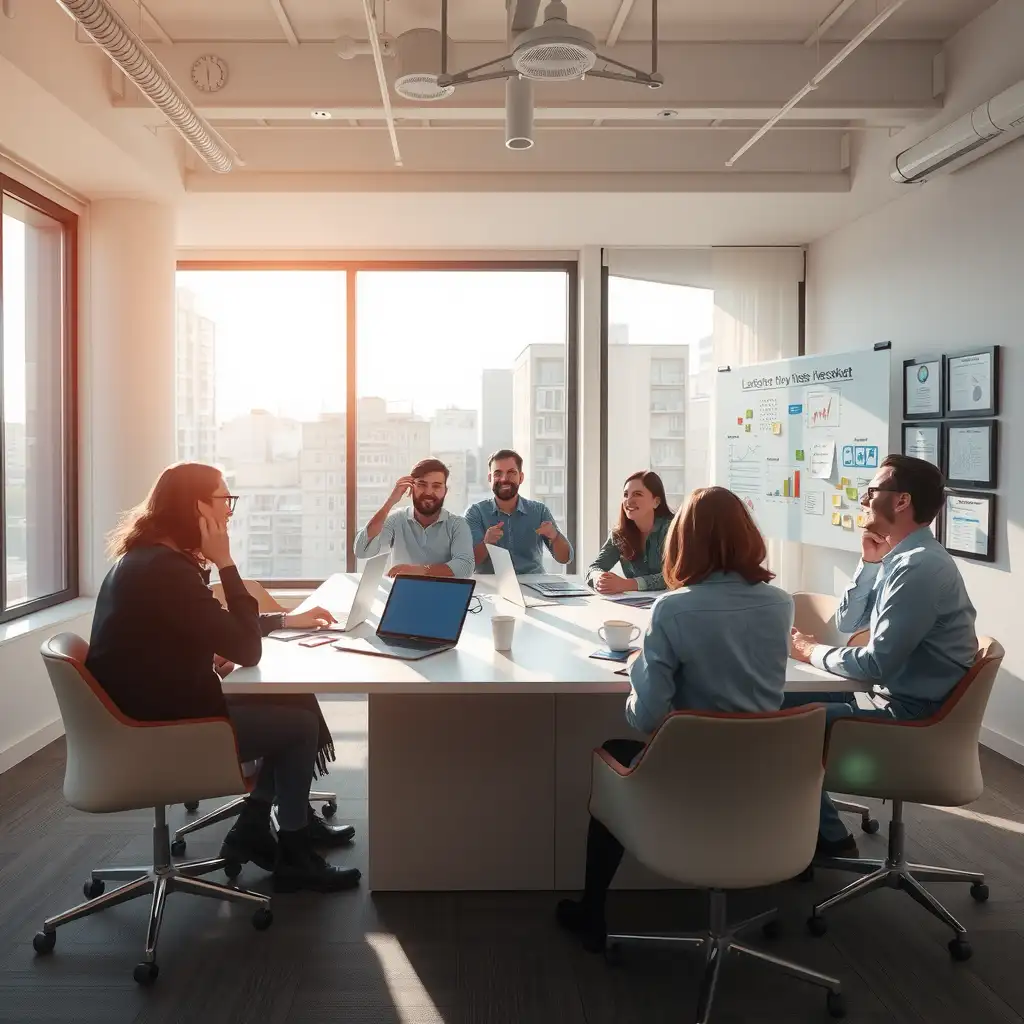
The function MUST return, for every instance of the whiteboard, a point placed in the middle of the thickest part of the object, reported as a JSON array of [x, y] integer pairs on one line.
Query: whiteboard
[[798, 440]]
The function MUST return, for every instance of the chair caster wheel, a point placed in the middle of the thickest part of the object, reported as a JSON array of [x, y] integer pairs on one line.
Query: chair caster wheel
[[232, 868], [263, 919], [869, 825], [146, 973], [192, 806], [836, 1003], [43, 942], [93, 888], [979, 892], [960, 949], [613, 954], [816, 925], [178, 848], [329, 809], [771, 930]]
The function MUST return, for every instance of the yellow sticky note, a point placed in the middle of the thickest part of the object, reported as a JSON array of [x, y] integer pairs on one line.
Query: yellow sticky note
[[844, 482], [847, 522], [837, 501], [836, 518], [776, 428], [747, 428], [861, 520]]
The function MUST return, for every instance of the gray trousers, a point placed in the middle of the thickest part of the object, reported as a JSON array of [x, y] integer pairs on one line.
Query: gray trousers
[[285, 738]]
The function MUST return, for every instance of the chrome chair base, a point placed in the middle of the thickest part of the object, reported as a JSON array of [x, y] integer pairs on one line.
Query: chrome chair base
[[895, 872], [720, 939], [159, 880]]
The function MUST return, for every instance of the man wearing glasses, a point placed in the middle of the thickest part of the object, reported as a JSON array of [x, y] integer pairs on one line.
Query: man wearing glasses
[[908, 590]]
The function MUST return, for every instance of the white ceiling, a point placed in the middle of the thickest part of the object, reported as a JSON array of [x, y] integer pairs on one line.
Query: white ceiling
[[482, 20]]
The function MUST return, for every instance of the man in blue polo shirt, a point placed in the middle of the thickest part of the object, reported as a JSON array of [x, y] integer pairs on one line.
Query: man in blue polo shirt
[[521, 526]]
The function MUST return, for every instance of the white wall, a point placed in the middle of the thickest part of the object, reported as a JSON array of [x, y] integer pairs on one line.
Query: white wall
[[940, 271]]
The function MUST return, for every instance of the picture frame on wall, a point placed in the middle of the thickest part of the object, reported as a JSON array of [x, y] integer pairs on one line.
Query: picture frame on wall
[[925, 441], [969, 525], [972, 383], [924, 387], [972, 453]]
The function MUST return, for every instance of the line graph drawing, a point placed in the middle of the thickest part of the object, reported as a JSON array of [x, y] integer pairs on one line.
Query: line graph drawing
[[822, 405], [746, 469]]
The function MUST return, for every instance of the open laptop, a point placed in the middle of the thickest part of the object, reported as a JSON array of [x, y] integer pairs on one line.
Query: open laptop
[[366, 591], [424, 615], [511, 590]]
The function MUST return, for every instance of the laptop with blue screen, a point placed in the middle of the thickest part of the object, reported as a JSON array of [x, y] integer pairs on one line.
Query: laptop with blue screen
[[424, 615]]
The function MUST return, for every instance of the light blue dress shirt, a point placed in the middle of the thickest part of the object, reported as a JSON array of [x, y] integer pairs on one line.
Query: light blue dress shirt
[[446, 540], [922, 625], [520, 537], [718, 645]]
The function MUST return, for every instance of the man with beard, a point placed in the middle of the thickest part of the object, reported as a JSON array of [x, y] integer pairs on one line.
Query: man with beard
[[909, 591], [426, 539], [523, 527]]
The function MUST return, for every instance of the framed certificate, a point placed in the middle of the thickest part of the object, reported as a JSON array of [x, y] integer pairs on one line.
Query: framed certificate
[[923, 389], [969, 525], [972, 452], [972, 383], [924, 441]]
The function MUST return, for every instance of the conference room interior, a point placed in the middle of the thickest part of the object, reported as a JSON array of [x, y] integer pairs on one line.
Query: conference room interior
[[330, 282]]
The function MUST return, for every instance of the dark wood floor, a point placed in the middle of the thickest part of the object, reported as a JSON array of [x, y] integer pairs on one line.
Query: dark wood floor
[[354, 958]]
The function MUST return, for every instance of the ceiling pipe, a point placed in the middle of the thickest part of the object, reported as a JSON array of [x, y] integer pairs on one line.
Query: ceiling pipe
[[382, 81], [109, 32], [828, 21], [813, 84]]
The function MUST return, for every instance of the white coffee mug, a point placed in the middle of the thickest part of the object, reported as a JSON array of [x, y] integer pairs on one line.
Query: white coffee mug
[[618, 635], [502, 627]]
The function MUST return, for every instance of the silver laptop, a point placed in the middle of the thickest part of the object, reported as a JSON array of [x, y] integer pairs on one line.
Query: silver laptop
[[508, 582], [366, 591]]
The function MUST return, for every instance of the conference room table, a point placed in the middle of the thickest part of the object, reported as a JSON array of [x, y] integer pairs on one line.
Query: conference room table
[[479, 760]]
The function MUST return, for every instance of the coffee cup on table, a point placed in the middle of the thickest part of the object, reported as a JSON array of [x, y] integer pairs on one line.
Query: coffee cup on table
[[617, 634], [502, 627]]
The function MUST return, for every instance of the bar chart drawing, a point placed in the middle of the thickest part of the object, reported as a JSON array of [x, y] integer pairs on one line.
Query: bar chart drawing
[[790, 486]]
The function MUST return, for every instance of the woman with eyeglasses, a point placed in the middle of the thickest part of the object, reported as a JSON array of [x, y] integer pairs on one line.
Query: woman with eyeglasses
[[161, 641]]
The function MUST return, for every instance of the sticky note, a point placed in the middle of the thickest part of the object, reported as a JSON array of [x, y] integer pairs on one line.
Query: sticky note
[[799, 455], [747, 428], [836, 518], [837, 501], [847, 522], [776, 428], [861, 520], [844, 481], [750, 414], [851, 493], [739, 421]]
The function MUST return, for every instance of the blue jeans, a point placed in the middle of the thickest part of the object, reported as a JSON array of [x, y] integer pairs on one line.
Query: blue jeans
[[843, 704]]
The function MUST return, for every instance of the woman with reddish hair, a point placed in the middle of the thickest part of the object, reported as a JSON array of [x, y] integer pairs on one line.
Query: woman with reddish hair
[[718, 641]]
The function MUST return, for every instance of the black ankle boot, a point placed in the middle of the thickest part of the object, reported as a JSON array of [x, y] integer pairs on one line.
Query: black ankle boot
[[323, 833], [299, 866], [576, 916], [251, 838]]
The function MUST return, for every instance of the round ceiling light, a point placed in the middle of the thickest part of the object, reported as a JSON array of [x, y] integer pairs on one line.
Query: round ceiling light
[[320, 115], [419, 63]]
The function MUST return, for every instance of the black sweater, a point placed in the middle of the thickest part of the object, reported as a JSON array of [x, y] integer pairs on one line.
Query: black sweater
[[156, 629]]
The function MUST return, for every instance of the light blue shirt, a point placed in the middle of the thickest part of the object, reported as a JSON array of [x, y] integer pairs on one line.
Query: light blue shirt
[[520, 537], [718, 645], [446, 540], [922, 625]]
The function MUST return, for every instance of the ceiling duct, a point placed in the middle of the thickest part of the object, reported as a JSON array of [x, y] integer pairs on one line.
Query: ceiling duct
[[419, 59], [347, 48], [112, 35]]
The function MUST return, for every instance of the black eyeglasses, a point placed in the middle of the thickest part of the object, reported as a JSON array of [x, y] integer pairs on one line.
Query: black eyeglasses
[[230, 499], [872, 491]]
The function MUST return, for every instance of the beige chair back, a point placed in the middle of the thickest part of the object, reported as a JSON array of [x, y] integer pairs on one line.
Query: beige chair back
[[931, 761], [115, 763], [814, 614], [719, 801], [262, 595]]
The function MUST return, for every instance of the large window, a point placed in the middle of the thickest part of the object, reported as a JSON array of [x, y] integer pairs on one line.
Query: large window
[[37, 297], [316, 389], [659, 376]]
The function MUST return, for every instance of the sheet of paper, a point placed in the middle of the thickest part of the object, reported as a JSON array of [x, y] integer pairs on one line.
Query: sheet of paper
[[969, 451], [966, 524], [923, 384], [922, 443], [970, 382], [823, 455], [814, 503]]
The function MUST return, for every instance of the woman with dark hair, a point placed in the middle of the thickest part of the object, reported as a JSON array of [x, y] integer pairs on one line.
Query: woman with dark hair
[[638, 540], [161, 640], [718, 641]]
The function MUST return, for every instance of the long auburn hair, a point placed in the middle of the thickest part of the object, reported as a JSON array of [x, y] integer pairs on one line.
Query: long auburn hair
[[169, 510], [626, 533], [714, 532]]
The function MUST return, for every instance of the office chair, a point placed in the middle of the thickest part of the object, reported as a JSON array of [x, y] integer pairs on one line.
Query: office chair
[[933, 761], [720, 829], [115, 763], [814, 614], [233, 808]]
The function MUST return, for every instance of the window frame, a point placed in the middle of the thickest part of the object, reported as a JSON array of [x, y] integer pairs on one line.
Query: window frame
[[68, 429], [352, 268]]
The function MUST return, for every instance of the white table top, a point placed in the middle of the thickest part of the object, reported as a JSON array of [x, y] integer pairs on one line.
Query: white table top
[[550, 654]]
